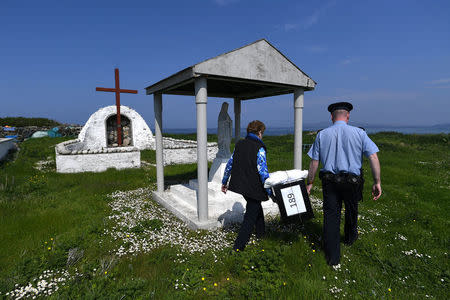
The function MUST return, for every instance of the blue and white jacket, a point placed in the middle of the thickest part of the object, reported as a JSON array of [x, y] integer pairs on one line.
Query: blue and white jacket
[[261, 164]]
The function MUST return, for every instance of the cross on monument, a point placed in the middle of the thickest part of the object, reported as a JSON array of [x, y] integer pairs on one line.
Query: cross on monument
[[117, 90]]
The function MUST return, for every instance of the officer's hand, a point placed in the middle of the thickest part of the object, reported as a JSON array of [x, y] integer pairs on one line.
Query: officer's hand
[[224, 188], [308, 188], [376, 191]]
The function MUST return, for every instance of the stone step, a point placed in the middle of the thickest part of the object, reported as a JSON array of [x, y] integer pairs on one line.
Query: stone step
[[179, 208], [214, 190], [216, 201], [223, 209], [185, 194]]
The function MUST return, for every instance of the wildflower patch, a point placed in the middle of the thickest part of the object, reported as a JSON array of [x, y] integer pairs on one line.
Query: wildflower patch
[[140, 225]]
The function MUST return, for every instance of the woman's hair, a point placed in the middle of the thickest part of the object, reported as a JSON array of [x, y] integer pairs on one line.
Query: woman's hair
[[255, 127]]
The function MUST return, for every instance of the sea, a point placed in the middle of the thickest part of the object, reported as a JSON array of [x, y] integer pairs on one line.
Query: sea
[[275, 131]]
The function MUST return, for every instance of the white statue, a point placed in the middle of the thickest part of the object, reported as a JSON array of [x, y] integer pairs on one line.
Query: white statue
[[224, 129]]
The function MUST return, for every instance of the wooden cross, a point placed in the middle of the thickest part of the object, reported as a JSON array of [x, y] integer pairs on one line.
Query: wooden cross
[[117, 90]]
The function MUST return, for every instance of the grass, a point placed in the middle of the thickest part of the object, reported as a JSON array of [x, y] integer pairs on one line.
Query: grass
[[402, 252]]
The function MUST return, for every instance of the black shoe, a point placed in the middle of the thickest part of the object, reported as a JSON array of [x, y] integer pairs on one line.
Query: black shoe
[[331, 264], [349, 243], [350, 240]]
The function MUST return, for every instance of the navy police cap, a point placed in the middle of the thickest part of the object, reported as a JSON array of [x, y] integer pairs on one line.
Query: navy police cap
[[340, 105]]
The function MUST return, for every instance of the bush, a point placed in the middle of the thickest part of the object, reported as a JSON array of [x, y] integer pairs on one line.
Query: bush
[[23, 122]]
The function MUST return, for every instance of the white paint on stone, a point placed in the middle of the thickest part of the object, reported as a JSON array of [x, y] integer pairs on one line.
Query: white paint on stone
[[223, 209], [98, 162], [218, 169], [174, 156], [89, 152], [93, 134]]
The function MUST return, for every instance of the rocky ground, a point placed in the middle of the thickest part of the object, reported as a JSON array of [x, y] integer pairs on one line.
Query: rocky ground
[[26, 132]]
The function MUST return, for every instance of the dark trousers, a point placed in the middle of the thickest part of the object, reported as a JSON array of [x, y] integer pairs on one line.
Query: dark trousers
[[333, 196], [253, 218]]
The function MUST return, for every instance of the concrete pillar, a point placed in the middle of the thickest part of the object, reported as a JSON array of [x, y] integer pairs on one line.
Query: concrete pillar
[[298, 127], [201, 98], [157, 102], [237, 119]]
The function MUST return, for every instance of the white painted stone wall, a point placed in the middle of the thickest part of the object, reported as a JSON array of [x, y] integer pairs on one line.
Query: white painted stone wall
[[89, 153], [98, 162], [175, 152], [5, 145], [185, 156], [184, 151], [93, 134]]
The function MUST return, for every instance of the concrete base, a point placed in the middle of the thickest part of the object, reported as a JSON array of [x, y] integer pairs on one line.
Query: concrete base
[[183, 212], [217, 169], [223, 209], [98, 162]]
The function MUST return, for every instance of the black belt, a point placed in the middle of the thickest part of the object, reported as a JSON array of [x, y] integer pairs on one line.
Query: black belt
[[342, 177]]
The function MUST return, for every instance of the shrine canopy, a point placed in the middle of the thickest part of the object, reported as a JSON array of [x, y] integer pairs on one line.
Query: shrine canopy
[[253, 71]]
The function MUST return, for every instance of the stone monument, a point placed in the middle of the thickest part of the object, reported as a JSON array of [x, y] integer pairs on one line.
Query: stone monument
[[224, 132], [97, 147], [113, 137], [224, 129], [227, 208]]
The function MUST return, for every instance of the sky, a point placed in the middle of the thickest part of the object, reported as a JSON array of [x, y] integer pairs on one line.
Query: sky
[[390, 59]]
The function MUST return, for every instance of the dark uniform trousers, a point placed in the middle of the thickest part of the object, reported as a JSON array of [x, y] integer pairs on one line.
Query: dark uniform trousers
[[253, 218], [333, 196]]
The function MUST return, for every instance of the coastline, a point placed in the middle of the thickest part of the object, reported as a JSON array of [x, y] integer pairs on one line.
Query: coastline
[[275, 131]]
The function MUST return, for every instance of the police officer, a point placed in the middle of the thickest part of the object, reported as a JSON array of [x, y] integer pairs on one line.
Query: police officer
[[248, 169], [340, 149]]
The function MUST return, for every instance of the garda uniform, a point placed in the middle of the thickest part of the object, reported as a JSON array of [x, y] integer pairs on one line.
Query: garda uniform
[[340, 148]]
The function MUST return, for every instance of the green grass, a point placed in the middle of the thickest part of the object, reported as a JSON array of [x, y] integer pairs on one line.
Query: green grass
[[402, 252]]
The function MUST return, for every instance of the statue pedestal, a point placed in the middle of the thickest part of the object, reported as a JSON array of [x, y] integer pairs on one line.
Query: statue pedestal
[[214, 179], [217, 170]]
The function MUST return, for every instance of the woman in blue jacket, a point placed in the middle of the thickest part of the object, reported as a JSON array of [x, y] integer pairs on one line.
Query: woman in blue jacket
[[248, 169]]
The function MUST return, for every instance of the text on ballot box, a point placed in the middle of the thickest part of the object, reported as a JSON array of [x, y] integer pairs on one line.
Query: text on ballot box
[[293, 199]]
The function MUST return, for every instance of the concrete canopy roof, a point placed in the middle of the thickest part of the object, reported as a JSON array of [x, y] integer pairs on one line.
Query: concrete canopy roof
[[253, 71]]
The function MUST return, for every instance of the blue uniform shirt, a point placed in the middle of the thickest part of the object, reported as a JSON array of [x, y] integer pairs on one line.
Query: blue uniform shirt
[[340, 148]]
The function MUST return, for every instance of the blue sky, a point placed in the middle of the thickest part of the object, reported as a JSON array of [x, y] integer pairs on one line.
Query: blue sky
[[391, 59]]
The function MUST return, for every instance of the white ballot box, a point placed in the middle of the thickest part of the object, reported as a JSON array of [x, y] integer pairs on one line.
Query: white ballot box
[[293, 200]]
